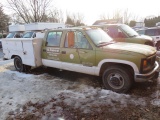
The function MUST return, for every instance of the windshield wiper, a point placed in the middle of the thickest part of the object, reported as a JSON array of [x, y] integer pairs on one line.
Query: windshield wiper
[[133, 35]]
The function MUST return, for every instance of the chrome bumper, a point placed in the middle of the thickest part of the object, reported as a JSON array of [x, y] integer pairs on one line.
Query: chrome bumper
[[147, 76]]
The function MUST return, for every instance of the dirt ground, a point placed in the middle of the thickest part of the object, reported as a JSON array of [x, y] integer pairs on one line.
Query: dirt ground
[[51, 94], [148, 91]]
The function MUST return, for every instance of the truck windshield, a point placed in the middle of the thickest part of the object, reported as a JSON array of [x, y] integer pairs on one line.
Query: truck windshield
[[99, 37], [129, 31], [11, 35]]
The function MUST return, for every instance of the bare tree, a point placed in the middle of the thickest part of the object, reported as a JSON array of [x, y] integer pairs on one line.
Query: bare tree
[[123, 16], [4, 20], [30, 10], [75, 19], [104, 17], [117, 14], [56, 16], [126, 16]]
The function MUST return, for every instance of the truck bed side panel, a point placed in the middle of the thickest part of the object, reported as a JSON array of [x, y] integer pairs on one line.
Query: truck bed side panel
[[25, 48]]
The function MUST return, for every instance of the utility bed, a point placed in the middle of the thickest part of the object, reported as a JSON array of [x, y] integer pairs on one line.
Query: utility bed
[[29, 50]]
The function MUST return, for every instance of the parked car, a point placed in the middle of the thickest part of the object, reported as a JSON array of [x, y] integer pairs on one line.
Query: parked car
[[124, 33], [153, 32]]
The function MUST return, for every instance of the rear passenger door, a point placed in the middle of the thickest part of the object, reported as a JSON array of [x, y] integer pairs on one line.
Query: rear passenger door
[[69, 53], [77, 53], [51, 49]]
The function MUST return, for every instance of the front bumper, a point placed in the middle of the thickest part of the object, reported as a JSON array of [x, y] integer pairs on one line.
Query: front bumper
[[147, 76]]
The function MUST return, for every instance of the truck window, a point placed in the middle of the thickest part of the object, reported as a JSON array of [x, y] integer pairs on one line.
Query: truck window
[[53, 38], [115, 32], [11, 35], [76, 40], [141, 32], [28, 35], [150, 32]]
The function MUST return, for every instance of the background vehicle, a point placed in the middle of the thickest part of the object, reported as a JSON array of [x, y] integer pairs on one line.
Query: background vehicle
[[15, 31], [153, 32], [85, 50], [34, 29], [124, 33]]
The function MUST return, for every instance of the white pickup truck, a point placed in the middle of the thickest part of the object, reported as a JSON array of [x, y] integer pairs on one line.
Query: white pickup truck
[[85, 50]]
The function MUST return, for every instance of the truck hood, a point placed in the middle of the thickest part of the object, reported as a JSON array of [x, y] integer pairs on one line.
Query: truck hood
[[144, 37], [130, 48]]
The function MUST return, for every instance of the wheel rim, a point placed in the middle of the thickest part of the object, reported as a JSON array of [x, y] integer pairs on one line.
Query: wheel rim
[[18, 64], [115, 80]]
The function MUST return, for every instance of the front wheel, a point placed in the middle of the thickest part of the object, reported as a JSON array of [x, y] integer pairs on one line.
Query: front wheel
[[117, 79]]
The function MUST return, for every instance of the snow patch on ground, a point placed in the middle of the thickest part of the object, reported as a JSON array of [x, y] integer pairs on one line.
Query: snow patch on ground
[[19, 88]]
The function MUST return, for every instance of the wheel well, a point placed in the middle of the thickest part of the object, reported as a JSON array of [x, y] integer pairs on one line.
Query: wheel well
[[13, 56], [125, 66]]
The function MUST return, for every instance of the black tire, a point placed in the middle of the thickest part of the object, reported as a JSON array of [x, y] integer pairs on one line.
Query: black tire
[[18, 64], [117, 79], [156, 75], [158, 46]]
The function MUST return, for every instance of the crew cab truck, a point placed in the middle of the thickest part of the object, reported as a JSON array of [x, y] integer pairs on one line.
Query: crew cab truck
[[124, 33], [85, 50]]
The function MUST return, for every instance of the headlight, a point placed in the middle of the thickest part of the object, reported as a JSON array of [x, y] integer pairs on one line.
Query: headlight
[[148, 64], [144, 63]]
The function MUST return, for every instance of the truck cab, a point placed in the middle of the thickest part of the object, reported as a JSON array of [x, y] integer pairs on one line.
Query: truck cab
[[124, 33]]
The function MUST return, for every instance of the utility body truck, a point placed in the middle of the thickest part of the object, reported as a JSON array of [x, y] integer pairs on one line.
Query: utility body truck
[[85, 50]]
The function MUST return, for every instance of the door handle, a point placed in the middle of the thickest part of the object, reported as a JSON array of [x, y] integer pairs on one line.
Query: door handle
[[63, 52], [44, 50], [157, 37]]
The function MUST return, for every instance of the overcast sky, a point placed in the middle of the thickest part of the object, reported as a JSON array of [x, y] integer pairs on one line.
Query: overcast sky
[[93, 9]]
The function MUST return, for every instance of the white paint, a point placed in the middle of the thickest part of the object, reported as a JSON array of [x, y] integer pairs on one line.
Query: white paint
[[43, 26], [133, 65], [71, 56], [28, 49], [70, 66], [85, 69]]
